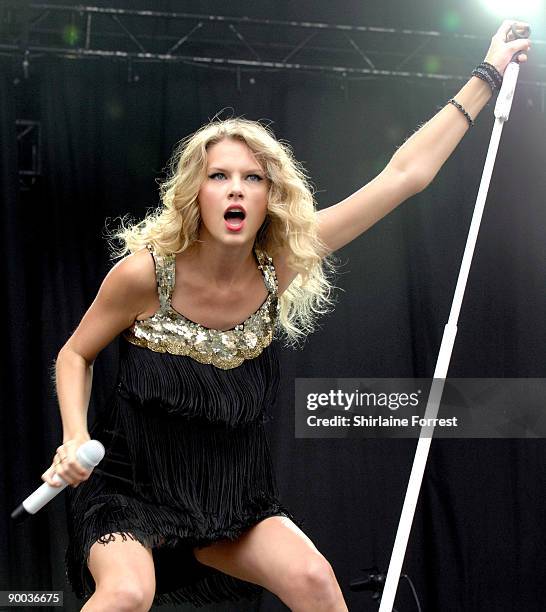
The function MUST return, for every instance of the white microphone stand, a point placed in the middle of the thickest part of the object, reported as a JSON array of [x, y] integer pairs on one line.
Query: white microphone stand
[[502, 110]]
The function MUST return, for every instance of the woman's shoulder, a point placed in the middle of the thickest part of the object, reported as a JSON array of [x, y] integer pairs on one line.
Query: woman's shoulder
[[137, 270]]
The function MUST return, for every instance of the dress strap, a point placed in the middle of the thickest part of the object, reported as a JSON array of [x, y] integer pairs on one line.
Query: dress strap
[[164, 273], [268, 271]]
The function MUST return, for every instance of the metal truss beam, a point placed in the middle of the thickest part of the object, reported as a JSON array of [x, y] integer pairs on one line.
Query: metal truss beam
[[242, 44]]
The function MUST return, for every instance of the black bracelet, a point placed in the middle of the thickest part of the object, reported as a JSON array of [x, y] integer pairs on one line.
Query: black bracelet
[[494, 72], [485, 76], [463, 111], [488, 73]]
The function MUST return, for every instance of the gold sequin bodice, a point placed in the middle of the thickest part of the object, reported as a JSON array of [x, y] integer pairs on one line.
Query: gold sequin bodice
[[168, 331]]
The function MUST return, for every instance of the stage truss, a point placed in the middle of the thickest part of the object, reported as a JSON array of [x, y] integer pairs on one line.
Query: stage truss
[[245, 45]]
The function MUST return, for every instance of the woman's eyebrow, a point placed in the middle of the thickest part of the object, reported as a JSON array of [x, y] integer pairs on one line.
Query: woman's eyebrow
[[250, 170]]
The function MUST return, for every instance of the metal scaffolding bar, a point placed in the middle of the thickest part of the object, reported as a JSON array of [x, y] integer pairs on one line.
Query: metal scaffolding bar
[[242, 44]]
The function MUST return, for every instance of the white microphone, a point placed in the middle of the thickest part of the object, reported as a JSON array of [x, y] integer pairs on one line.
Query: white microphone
[[89, 454]]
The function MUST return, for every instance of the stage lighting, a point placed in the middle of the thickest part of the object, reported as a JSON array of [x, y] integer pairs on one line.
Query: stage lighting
[[510, 9]]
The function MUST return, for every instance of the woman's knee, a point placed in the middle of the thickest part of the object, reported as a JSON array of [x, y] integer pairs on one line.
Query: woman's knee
[[127, 595], [312, 578], [124, 574]]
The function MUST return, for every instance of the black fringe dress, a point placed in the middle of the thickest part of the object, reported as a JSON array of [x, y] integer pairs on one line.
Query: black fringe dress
[[187, 460]]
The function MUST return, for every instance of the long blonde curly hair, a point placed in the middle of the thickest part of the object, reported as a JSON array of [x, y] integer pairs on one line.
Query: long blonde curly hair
[[291, 219]]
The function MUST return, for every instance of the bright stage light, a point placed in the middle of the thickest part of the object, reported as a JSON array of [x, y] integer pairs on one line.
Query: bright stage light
[[511, 9]]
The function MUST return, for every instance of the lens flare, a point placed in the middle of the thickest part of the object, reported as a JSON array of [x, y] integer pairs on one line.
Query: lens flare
[[432, 63], [451, 21], [71, 34]]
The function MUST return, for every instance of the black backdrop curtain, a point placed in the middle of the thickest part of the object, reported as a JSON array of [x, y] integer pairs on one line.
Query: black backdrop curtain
[[478, 538]]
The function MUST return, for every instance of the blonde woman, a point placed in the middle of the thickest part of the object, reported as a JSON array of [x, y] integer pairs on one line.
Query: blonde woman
[[184, 507]]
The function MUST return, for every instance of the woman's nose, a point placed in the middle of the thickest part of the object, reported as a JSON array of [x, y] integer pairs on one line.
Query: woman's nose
[[235, 188]]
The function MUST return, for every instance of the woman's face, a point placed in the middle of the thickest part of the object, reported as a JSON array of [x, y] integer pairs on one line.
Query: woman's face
[[233, 197]]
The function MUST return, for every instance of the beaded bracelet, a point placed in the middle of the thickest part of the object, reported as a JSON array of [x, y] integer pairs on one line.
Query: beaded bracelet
[[488, 73], [497, 76], [463, 111]]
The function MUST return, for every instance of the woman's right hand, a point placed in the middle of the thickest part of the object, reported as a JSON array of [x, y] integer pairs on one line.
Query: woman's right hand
[[66, 465], [503, 47]]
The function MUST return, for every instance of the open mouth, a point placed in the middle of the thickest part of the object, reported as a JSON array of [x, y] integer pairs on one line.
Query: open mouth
[[235, 218]]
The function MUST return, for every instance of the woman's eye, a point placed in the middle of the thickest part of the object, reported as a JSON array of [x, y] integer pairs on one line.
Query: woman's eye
[[220, 175]]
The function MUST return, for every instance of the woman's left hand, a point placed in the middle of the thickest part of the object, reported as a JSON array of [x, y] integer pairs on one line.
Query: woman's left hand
[[500, 52]]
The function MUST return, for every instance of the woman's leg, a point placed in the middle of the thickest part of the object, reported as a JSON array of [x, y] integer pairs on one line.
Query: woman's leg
[[124, 576], [277, 555]]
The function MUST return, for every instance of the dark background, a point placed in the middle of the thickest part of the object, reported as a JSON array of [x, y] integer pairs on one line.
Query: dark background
[[478, 538]]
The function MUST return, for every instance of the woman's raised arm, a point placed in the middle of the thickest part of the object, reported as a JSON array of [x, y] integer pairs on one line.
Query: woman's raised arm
[[416, 163]]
